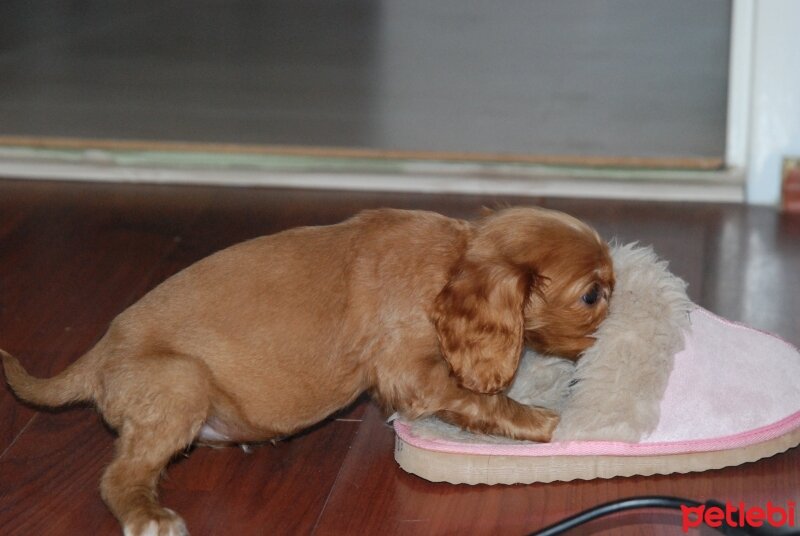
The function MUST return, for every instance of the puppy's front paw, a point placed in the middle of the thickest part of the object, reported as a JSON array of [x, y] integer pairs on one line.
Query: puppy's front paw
[[550, 420], [163, 523], [540, 425]]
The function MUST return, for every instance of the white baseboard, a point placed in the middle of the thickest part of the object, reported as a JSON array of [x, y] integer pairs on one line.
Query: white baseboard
[[372, 175]]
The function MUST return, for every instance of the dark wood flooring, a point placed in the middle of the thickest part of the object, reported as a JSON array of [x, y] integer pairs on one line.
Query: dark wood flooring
[[74, 255]]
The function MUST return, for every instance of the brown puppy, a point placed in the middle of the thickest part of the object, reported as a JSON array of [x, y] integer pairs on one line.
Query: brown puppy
[[272, 335]]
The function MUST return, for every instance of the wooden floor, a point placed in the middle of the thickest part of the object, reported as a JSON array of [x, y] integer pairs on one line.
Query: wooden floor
[[72, 256]]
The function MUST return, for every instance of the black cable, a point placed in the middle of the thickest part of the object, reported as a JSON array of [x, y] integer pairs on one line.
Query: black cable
[[672, 503], [613, 507]]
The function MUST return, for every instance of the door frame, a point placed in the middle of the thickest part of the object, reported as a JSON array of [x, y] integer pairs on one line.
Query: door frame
[[763, 105]]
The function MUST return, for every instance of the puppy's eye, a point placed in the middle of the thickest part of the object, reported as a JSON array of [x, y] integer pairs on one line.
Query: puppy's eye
[[591, 297]]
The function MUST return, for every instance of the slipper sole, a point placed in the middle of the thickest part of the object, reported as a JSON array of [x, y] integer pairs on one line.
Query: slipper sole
[[471, 468]]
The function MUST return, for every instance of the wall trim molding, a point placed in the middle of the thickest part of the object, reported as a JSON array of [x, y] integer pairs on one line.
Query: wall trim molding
[[335, 173]]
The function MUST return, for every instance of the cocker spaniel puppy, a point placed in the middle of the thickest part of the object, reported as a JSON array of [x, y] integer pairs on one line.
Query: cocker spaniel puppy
[[265, 338]]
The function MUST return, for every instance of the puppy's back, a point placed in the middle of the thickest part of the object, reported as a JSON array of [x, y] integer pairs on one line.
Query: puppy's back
[[294, 314]]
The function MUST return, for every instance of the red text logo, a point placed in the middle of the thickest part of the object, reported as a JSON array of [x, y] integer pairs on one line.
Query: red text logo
[[739, 515]]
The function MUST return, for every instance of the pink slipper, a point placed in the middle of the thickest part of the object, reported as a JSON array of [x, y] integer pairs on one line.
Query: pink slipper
[[668, 388]]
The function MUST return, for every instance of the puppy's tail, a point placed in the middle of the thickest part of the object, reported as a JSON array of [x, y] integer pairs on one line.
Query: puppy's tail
[[74, 384]]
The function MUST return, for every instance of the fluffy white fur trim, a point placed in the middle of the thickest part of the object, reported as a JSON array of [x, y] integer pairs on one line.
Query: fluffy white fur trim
[[620, 381]]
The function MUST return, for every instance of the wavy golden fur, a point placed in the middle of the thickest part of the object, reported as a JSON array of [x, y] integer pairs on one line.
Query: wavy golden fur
[[265, 338]]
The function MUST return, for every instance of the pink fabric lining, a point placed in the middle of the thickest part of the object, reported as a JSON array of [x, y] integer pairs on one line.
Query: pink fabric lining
[[740, 325], [603, 448], [729, 380]]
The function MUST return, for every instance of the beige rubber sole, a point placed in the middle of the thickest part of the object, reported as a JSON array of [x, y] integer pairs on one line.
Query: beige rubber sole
[[483, 469]]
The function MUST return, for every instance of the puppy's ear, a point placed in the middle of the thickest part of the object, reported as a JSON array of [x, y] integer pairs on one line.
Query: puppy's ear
[[479, 319]]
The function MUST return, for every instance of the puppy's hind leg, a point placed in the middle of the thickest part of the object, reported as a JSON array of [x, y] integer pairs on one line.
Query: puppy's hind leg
[[129, 484], [155, 420]]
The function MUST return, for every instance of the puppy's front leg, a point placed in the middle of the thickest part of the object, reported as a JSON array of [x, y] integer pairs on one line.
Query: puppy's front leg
[[436, 392], [499, 415]]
